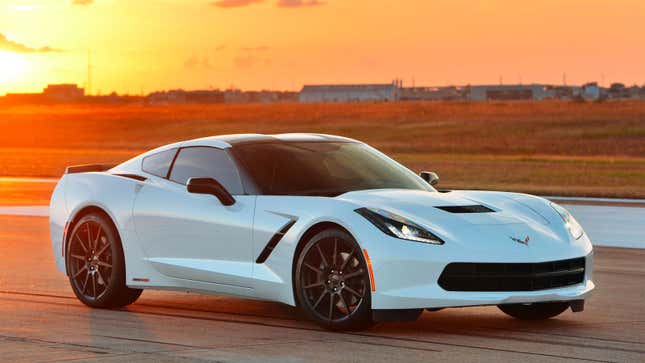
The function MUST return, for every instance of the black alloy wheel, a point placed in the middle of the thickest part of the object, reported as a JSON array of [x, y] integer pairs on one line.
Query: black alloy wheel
[[95, 264], [332, 281]]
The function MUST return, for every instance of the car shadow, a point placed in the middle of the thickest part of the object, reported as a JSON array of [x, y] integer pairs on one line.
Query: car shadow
[[480, 321]]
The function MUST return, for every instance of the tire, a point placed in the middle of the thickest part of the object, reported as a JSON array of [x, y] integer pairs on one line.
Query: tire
[[535, 311], [96, 265], [332, 282]]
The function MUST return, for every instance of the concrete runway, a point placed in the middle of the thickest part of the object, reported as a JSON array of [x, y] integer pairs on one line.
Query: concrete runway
[[40, 320]]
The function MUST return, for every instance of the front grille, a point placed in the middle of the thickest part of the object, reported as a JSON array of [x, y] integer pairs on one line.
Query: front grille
[[460, 276]]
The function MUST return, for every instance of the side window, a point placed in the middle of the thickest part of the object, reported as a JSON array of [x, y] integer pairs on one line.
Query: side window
[[158, 164], [206, 162]]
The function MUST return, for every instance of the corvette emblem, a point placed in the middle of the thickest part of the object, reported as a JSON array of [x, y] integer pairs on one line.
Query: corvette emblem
[[524, 241]]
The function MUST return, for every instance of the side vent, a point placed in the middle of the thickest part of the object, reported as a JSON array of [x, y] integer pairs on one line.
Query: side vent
[[274, 241], [466, 209]]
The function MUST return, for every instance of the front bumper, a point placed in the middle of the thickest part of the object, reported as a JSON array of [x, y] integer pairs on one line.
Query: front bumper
[[407, 277], [433, 296]]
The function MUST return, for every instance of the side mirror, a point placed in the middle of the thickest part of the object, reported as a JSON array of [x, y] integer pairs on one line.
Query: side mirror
[[429, 176], [212, 187]]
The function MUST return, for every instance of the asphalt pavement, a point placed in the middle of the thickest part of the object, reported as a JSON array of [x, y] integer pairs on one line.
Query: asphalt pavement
[[41, 320]]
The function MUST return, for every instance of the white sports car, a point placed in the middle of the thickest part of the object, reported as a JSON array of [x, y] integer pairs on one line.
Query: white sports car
[[322, 222]]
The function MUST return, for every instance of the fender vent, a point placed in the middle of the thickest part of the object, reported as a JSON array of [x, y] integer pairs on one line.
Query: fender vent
[[274, 241], [466, 209]]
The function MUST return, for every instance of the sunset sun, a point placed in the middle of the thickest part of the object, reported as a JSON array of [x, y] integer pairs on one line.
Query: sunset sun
[[12, 66]]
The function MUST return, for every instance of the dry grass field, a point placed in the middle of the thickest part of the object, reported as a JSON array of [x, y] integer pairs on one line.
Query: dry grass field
[[563, 148]]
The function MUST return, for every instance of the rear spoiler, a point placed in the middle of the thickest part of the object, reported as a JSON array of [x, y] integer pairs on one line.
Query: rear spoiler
[[86, 168]]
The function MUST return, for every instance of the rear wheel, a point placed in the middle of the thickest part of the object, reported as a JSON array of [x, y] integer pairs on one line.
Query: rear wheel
[[96, 266], [535, 311], [332, 282]]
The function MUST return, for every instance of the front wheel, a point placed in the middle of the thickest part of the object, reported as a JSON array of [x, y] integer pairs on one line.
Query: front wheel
[[96, 265], [534, 311], [332, 282]]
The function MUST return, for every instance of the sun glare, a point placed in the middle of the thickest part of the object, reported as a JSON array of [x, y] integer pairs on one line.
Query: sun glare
[[12, 66]]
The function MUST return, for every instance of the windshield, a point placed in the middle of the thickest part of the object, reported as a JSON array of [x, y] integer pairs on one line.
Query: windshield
[[322, 168]]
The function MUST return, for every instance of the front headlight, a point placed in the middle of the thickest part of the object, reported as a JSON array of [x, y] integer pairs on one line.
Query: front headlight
[[574, 228], [397, 226]]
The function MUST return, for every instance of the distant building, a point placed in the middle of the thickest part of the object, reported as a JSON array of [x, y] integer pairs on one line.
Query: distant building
[[450, 93], [53, 93], [234, 95], [590, 91], [183, 96], [218, 96], [561, 92], [287, 96], [64, 93], [636, 92], [113, 98], [391, 92], [350, 93], [24, 98], [618, 90], [507, 92], [262, 96], [206, 96]]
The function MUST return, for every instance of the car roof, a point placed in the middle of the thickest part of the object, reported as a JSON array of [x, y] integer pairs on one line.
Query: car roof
[[226, 141]]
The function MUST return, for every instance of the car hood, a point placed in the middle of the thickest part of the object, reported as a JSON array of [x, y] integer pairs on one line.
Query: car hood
[[509, 216]]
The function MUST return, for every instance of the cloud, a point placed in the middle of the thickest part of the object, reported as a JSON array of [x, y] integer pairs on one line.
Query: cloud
[[246, 62], [82, 2], [10, 45], [261, 48], [234, 3], [250, 61], [197, 63], [298, 3], [279, 3]]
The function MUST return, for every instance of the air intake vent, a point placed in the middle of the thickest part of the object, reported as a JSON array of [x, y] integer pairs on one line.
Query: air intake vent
[[467, 209], [469, 276]]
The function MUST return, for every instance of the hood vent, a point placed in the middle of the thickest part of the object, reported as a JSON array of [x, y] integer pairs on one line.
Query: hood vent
[[466, 209]]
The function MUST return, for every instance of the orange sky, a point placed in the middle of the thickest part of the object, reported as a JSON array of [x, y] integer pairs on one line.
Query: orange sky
[[145, 45]]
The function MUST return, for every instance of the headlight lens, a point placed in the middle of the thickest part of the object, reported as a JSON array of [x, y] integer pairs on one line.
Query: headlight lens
[[397, 226], [574, 228]]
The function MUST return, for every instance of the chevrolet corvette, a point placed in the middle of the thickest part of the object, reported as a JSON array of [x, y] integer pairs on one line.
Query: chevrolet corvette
[[324, 223]]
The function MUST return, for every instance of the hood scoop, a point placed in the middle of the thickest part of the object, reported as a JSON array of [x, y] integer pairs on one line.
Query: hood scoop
[[466, 209]]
